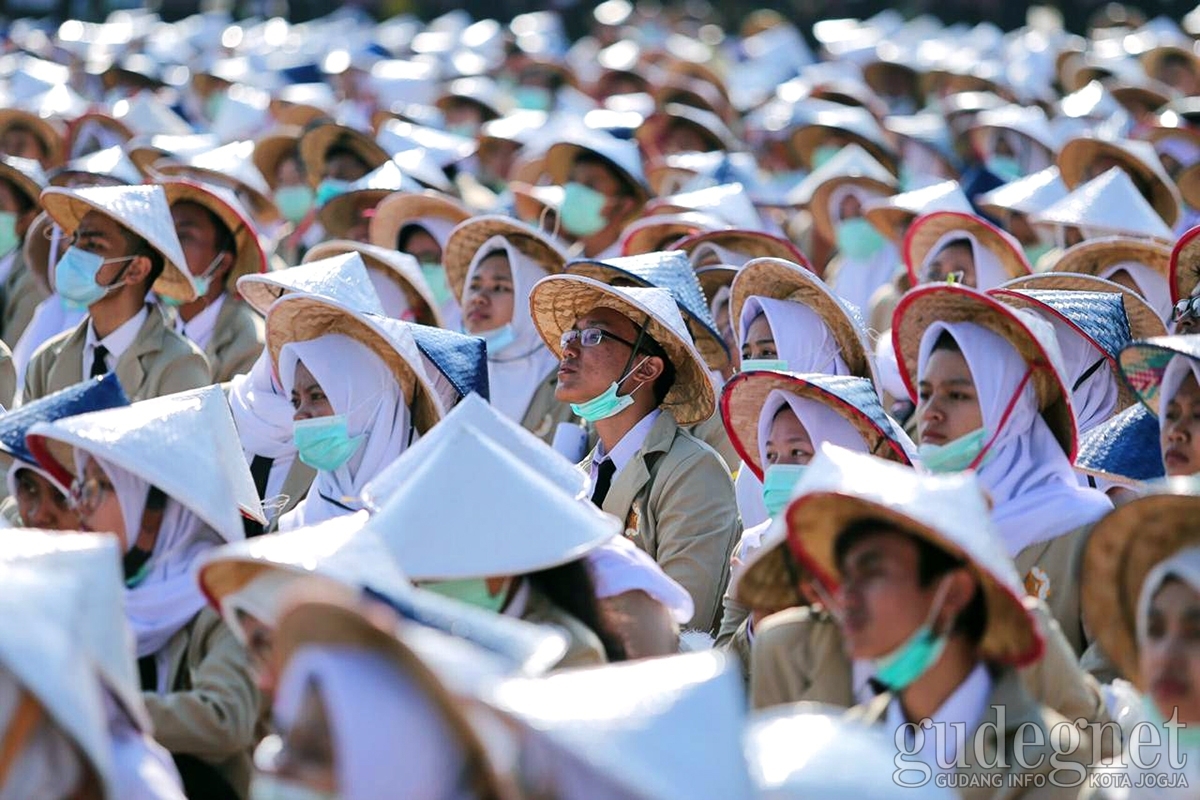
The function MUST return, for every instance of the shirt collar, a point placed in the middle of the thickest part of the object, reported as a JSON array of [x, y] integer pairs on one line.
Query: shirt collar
[[967, 705], [201, 327], [122, 338], [630, 443]]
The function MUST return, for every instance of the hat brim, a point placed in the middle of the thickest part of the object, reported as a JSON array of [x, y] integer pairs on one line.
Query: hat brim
[[23, 183], [1121, 550], [299, 318], [1144, 322], [1189, 185], [927, 230], [316, 141], [807, 139], [1143, 364], [1095, 255], [785, 280], [891, 221], [1077, 154], [45, 130], [561, 156], [251, 258], [819, 204], [749, 243], [36, 251], [1184, 267], [466, 239], [713, 278], [558, 301], [743, 398], [653, 235], [399, 209], [346, 210], [416, 290], [263, 207], [926, 305], [271, 149]]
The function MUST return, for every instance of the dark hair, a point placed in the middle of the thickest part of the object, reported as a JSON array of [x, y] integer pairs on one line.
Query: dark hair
[[964, 243], [627, 188], [570, 587], [24, 201], [342, 147], [21, 127], [137, 246], [408, 231], [946, 341], [932, 563], [664, 382], [224, 237]]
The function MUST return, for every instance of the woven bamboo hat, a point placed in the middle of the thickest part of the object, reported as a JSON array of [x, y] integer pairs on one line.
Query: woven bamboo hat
[[928, 230], [949, 511], [1122, 549], [466, 239], [785, 280], [1124, 450], [1144, 322], [1136, 156], [1144, 362], [1032, 337], [558, 300], [1184, 269], [855, 399], [271, 149], [317, 139], [402, 208], [1109, 205]]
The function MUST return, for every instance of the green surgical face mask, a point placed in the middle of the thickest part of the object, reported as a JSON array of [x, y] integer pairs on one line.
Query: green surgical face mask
[[8, 232], [858, 240], [823, 154], [294, 202], [214, 103], [764, 364], [778, 482], [1034, 252], [435, 276], [582, 212], [900, 668], [608, 403], [1005, 168], [953, 456], [472, 591]]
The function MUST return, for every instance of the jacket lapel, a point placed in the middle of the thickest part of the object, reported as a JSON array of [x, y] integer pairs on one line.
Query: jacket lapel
[[131, 372], [67, 369], [631, 480]]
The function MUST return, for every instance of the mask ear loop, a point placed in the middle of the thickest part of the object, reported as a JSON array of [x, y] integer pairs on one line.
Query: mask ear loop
[[542, 222], [1012, 404]]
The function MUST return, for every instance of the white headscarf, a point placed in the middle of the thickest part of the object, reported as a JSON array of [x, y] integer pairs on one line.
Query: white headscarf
[[436, 227], [391, 296], [262, 411], [168, 597], [1031, 155], [821, 422], [261, 598], [1177, 371], [619, 566], [989, 273], [856, 281], [1150, 283], [802, 338], [10, 477], [389, 739], [1033, 487], [50, 765], [359, 385], [516, 371], [722, 255], [1095, 400], [1183, 566]]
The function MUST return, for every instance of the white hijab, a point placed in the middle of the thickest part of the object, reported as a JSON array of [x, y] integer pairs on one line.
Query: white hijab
[[856, 281], [802, 338], [1032, 484], [389, 739], [516, 371], [1150, 284], [1095, 400], [1031, 155], [359, 385], [721, 254], [168, 597], [821, 422], [50, 764], [1183, 566], [989, 273], [1177, 371], [262, 411], [391, 296]]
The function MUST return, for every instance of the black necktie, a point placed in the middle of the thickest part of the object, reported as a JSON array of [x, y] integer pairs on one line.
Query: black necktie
[[604, 475], [99, 366], [260, 470]]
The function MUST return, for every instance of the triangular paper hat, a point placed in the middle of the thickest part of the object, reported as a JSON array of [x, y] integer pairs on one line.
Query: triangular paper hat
[[1126, 449], [91, 563], [890, 215], [342, 278], [92, 395], [297, 317], [144, 211], [1027, 195], [455, 362], [40, 648], [818, 120], [1107, 205], [627, 725], [670, 270], [541, 525], [244, 113], [475, 413], [145, 151], [186, 444], [1029, 121], [852, 161], [1132, 154], [145, 115], [111, 163], [390, 265], [342, 551]]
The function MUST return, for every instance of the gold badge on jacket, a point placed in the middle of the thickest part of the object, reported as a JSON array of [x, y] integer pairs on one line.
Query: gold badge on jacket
[[632, 522], [1037, 583], [544, 427]]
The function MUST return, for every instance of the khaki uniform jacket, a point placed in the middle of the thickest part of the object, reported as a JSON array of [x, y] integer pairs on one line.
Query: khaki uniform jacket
[[798, 654], [1051, 574], [8, 377], [583, 645], [545, 412], [676, 500], [21, 298], [1012, 778], [237, 340], [159, 362], [213, 710], [712, 432]]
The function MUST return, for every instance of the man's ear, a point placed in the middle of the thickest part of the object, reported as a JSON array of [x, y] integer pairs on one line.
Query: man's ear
[[649, 370], [139, 270], [962, 587]]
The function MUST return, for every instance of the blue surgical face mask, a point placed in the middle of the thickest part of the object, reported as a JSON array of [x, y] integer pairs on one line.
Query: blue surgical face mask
[[1005, 168], [75, 277], [498, 338], [608, 403], [582, 212], [214, 103], [534, 98], [202, 282], [473, 591], [294, 202], [325, 443], [435, 276], [823, 154], [953, 456], [857, 239], [329, 189], [900, 668], [778, 482], [764, 364], [8, 232]]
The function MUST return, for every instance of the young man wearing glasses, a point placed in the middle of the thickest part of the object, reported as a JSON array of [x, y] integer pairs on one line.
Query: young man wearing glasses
[[629, 367]]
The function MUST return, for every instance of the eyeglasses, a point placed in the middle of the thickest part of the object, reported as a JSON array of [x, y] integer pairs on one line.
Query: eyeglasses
[[1187, 307], [590, 337], [87, 495]]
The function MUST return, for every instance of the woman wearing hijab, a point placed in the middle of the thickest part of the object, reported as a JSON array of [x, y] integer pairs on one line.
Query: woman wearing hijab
[[167, 512], [788, 320], [1140, 265], [492, 264], [1141, 595], [948, 245], [990, 395], [866, 260], [777, 422], [359, 392], [1165, 373]]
